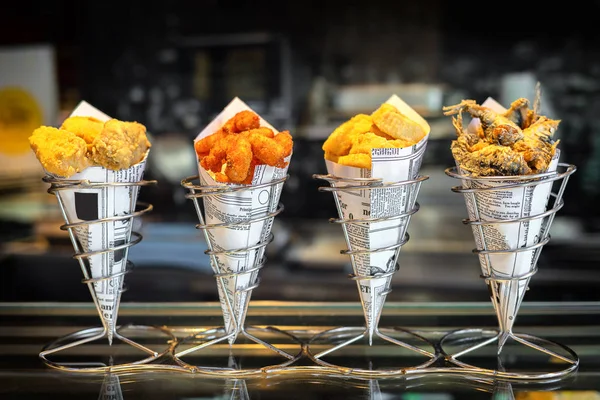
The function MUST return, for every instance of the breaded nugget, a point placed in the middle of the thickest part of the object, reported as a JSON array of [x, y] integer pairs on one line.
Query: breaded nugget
[[356, 160], [87, 128], [340, 141], [120, 145], [59, 151]]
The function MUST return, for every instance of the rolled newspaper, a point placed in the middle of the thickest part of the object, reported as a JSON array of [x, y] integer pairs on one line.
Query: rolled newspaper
[[507, 204], [234, 207], [391, 165], [80, 205]]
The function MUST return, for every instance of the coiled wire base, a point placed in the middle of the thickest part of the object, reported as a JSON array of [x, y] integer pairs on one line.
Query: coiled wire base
[[107, 331], [508, 286], [241, 294], [345, 336]]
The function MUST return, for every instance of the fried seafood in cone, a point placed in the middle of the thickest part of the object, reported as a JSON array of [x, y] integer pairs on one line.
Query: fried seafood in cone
[[233, 152], [518, 141]]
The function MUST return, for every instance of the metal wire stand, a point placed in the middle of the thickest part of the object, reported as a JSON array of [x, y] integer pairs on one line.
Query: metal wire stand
[[510, 287], [242, 294], [108, 330], [350, 335]]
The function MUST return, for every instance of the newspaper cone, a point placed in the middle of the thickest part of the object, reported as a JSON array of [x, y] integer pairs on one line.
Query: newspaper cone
[[80, 205], [234, 207], [391, 165], [111, 388], [507, 204]]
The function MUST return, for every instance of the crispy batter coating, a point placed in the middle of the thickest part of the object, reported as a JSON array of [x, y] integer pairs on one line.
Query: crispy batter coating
[[242, 121], [239, 157], [87, 128], [397, 125], [120, 145], [352, 142], [339, 142], [60, 152], [239, 146], [516, 142]]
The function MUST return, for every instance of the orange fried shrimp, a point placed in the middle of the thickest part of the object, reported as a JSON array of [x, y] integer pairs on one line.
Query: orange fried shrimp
[[242, 121], [204, 145], [285, 140], [221, 177], [214, 160], [239, 157], [264, 131], [266, 150], [253, 164]]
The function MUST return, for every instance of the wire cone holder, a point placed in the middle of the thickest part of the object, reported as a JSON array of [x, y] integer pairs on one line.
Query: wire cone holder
[[374, 283], [507, 286], [106, 287], [235, 286]]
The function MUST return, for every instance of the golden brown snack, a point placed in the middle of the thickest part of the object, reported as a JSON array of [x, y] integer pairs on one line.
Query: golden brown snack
[[352, 142], [516, 142], [233, 151], [120, 145], [87, 128], [339, 142], [392, 122], [60, 152]]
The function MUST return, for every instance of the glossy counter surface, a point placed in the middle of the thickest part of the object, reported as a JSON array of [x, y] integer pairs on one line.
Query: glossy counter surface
[[27, 327]]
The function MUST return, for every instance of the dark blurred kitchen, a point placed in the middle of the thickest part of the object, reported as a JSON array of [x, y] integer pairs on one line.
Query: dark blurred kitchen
[[305, 67]]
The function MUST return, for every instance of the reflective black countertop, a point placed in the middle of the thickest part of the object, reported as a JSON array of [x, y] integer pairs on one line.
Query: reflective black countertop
[[27, 327]]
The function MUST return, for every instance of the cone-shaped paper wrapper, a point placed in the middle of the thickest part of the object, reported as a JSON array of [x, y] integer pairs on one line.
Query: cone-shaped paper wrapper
[[111, 388], [391, 165], [234, 207], [507, 204], [91, 204]]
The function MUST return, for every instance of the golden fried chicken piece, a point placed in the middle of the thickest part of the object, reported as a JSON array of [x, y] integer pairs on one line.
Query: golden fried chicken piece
[[340, 140], [60, 152], [355, 160], [87, 128], [120, 145]]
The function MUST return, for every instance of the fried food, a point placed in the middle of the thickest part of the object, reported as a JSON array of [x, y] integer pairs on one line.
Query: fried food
[[352, 142], [242, 121], [233, 152], [59, 151], [120, 145], [516, 142], [82, 142], [390, 121], [87, 128], [339, 142]]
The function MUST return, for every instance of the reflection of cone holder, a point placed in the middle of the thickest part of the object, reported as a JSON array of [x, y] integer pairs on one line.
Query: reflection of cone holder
[[344, 336], [508, 287], [240, 295], [108, 331]]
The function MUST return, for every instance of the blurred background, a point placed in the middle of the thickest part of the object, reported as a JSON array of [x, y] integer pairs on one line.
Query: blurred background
[[305, 67]]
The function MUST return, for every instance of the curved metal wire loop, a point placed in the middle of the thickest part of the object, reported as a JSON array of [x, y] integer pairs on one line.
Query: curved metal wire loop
[[511, 181], [197, 191], [109, 330], [509, 286], [58, 184]]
